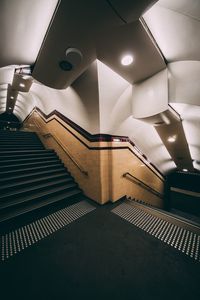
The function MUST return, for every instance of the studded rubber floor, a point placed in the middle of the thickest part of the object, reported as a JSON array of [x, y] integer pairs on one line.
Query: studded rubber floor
[[17, 240], [86, 251], [184, 240]]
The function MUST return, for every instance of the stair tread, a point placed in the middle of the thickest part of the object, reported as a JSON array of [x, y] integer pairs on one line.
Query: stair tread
[[33, 168], [37, 195], [35, 206], [50, 157], [32, 188], [56, 159], [26, 151], [13, 185], [33, 174], [24, 154]]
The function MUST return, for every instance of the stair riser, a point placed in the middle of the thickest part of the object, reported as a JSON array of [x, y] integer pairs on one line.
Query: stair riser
[[29, 160], [49, 186], [32, 201], [19, 143], [15, 187], [29, 165], [14, 215], [26, 165], [33, 156], [33, 170], [33, 176], [23, 153]]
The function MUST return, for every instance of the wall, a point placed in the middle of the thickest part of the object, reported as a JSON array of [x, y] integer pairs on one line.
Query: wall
[[105, 160], [79, 102]]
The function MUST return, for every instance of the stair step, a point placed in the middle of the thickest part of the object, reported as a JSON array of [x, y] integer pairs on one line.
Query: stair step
[[28, 160], [24, 140], [8, 173], [19, 143], [17, 194], [16, 167], [17, 133], [24, 152], [10, 149], [37, 205], [38, 196], [26, 156], [33, 175], [25, 182]]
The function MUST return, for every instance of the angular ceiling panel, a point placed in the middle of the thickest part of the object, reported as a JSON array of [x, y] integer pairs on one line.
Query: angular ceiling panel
[[130, 10], [177, 34], [130, 39], [76, 25], [189, 8]]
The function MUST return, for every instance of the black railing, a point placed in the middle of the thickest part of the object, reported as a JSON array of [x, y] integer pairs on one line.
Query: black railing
[[143, 184]]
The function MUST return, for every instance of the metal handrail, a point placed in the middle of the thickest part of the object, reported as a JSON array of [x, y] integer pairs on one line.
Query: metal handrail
[[47, 135], [143, 184], [58, 141]]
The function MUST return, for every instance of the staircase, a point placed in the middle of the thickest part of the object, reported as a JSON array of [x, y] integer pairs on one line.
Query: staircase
[[31, 177]]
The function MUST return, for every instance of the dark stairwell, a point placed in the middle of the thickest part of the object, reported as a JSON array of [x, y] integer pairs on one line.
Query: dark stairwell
[[31, 177], [82, 250]]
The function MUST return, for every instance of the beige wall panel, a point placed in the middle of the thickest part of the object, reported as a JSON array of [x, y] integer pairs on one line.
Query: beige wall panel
[[105, 181]]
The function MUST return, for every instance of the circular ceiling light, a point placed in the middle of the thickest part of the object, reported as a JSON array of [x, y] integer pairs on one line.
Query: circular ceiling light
[[171, 139], [127, 60], [11, 97], [185, 170], [22, 84]]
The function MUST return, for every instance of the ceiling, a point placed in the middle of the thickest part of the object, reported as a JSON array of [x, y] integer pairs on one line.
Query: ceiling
[[158, 94]]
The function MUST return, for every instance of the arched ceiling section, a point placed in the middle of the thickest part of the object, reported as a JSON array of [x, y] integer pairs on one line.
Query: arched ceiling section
[[164, 43], [24, 105], [25, 23], [6, 76], [175, 25]]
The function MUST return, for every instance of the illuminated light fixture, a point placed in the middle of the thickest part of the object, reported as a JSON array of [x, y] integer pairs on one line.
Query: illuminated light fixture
[[9, 107], [171, 139], [116, 140], [11, 97], [22, 84], [127, 60], [25, 77], [185, 170], [142, 165]]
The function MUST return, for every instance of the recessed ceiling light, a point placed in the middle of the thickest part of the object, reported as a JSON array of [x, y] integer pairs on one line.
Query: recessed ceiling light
[[127, 60], [11, 97], [26, 77], [9, 107], [22, 84], [185, 170], [171, 139]]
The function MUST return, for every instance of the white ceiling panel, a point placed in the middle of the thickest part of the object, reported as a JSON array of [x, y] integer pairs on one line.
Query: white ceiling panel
[[189, 8], [177, 35], [23, 25]]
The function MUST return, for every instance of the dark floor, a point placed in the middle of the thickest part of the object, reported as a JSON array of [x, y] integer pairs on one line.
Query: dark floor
[[100, 256]]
